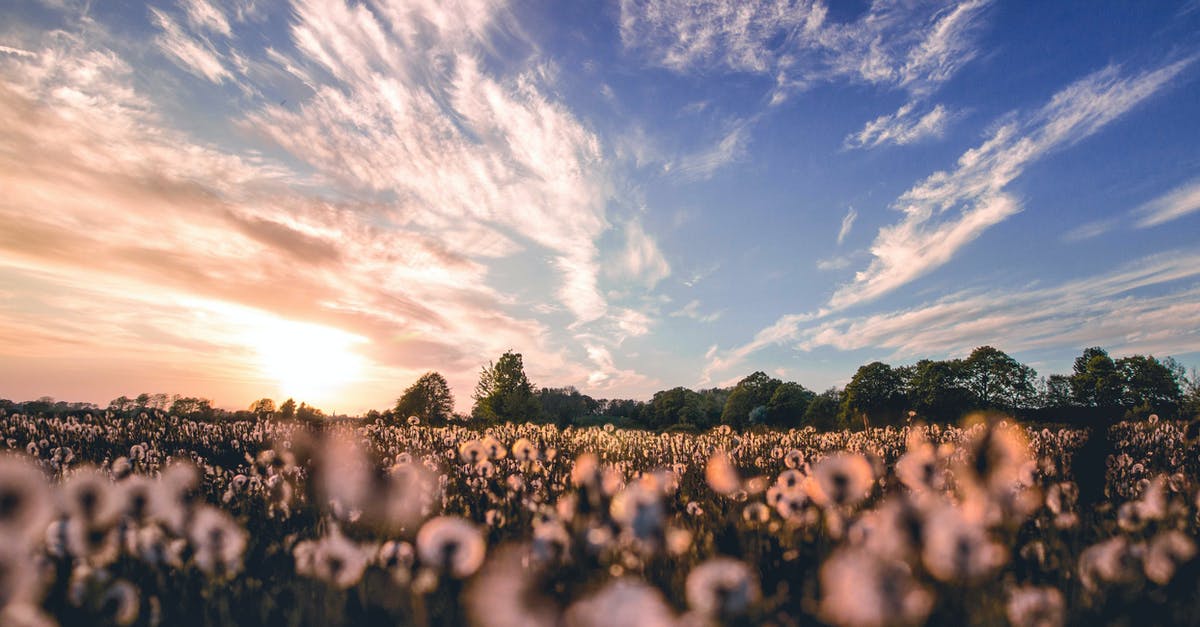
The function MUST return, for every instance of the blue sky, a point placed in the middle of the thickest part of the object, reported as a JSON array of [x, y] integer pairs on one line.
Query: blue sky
[[325, 199]]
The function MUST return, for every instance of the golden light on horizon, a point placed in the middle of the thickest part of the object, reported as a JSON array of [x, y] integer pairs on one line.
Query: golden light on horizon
[[306, 361]]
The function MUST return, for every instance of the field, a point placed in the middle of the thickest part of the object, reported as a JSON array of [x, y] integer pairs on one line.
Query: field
[[160, 520]]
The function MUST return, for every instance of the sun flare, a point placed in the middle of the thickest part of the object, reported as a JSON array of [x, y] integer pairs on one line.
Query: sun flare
[[306, 361]]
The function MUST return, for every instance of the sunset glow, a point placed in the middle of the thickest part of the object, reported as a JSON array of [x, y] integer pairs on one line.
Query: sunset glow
[[634, 195]]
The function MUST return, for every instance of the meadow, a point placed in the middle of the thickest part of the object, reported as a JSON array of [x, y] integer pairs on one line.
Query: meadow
[[161, 520]]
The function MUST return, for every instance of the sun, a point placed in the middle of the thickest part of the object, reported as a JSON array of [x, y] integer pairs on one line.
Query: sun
[[308, 361]]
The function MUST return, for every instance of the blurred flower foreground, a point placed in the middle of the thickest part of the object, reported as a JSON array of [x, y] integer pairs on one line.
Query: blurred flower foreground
[[162, 520]]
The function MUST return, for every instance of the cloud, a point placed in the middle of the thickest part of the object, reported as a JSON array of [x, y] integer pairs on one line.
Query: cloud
[[692, 311], [195, 55], [905, 126], [17, 52], [847, 224], [120, 213], [914, 46], [641, 260], [202, 14], [1132, 308], [1147, 306], [948, 210], [1089, 230], [701, 165], [1173, 205], [409, 111], [926, 239], [834, 263]]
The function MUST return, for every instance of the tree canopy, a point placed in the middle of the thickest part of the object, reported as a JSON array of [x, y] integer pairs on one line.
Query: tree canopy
[[429, 399]]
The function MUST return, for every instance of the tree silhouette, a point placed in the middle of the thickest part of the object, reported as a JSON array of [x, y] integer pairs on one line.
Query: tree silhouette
[[504, 393], [428, 399]]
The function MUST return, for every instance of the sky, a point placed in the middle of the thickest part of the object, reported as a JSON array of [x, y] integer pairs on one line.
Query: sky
[[325, 199]]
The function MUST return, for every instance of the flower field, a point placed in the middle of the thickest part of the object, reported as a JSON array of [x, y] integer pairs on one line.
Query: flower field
[[160, 520]]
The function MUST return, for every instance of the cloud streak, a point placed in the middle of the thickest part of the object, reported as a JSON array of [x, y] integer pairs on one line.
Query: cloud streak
[[905, 126], [915, 47], [1173, 205], [950, 209]]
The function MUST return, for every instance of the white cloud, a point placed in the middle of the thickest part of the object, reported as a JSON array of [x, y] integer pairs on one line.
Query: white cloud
[[912, 46], [196, 55], [905, 126], [1173, 205], [17, 52], [1089, 230], [834, 263], [701, 165], [1112, 309], [202, 14], [641, 260], [197, 222], [926, 239], [692, 311], [412, 112], [847, 224]]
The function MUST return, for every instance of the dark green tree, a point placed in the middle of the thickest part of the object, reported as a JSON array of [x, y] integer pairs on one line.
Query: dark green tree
[[934, 389], [788, 403], [675, 406], [1150, 386], [429, 399], [288, 409], [873, 395], [825, 411], [504, 393], [563, 406], [997, 381], [751, 392], [1056, 392], [1095, 380]]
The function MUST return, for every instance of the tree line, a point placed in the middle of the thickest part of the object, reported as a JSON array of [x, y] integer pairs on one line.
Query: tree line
[[1099, 388]]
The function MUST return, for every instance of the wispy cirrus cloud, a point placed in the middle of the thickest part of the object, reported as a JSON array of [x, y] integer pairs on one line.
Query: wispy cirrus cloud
[[1175, 204], [847, 224], [641, 260], [907, 125], [1113, 309], [914, 47], [949, 209], [703, 164], [692, 311], [408, 110], [192, 53], [425, 167]]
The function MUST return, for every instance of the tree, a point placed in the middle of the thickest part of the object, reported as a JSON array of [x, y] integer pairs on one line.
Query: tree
[[675, 406], [504, 393], [1057, 392], [191, 407], [1095, 381], [750, 393], [262, 408], [824, 412], [563, 405], [1149, 386], [873, 392], [288, 409], [788, 404], [428, 398], [934, 389], [997, 381]]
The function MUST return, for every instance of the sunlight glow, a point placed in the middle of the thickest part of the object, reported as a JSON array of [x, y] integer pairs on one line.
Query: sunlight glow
[[308, 362]]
